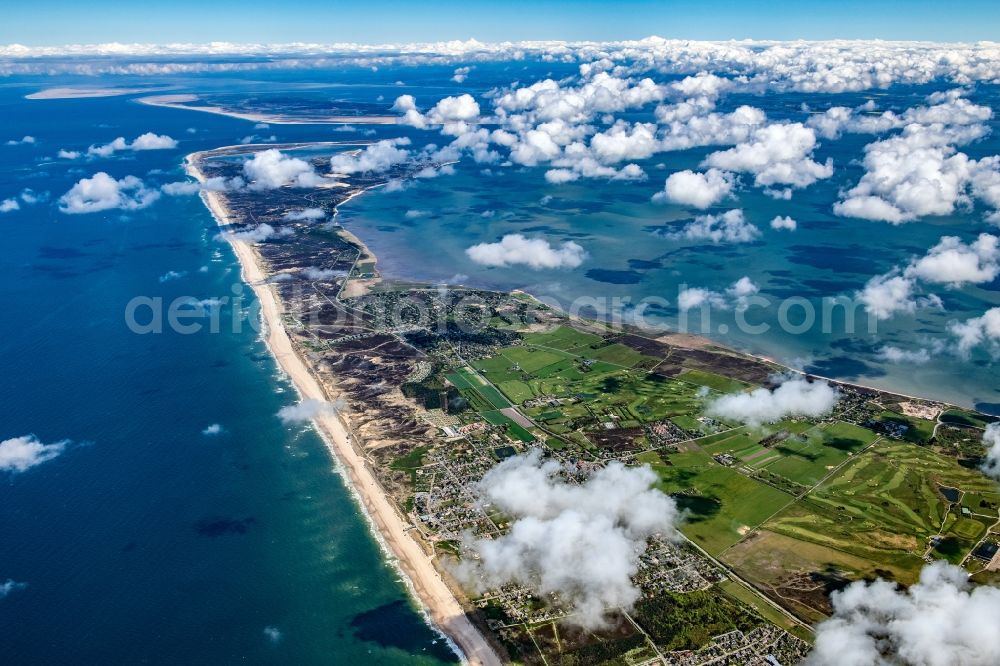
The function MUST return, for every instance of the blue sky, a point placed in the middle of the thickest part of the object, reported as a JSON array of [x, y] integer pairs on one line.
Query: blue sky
[[56, 22]]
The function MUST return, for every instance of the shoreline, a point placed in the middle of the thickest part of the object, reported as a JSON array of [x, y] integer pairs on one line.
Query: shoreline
[[692, 341], [441, 606], [84, 92], [426, 584], [177, 102]]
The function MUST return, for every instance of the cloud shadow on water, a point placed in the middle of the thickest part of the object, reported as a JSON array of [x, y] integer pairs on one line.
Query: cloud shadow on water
[[395, 625]]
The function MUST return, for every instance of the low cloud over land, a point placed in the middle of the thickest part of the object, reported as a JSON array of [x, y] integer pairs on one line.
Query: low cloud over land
[[271, 169], [305, 411], [991, 438], [939, 621], [794, 397], [581, 541]]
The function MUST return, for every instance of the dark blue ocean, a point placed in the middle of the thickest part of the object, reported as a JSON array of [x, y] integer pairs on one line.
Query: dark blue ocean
[[147, 541]]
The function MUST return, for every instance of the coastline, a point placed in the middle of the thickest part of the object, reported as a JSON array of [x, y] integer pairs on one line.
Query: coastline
[[427, 585], [692, 341], [441, 604], [176, 102], [83, 92]]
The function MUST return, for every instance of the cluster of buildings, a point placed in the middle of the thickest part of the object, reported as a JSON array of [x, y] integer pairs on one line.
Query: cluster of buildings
[[766, 645], [674, 566]]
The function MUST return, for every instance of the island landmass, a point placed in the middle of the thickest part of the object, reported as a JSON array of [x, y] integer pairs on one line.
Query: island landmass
[[434, 385], [278, 117]]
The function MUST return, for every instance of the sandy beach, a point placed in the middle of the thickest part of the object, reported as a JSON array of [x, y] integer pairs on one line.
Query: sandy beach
[[81, 92], [413, 561], [181, 101]]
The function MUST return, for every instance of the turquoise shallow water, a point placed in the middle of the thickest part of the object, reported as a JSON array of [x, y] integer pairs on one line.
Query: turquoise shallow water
[[631, 256], [147, 541]]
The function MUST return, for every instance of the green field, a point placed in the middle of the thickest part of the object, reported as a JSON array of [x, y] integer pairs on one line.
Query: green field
[[985, 503], [721, 504], [688, 621], [809, 457], [793, 572], [532, 359], [687, 422], [460, 379], [803, 505], [411, 462], [712, 381], [563, 338], [616, 354], [919, 431], [731, 441], [804, 456], [873, 516], [563, 371], [965, 417], [968, 528], [517, 431], [497, 369], [764, 609], [466, 380], [593, 393], [517, 391], [883, 505]]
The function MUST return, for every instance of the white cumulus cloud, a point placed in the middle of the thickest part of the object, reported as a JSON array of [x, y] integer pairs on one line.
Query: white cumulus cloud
[[314, 273], [983, 330], [305, 214], [991, 438], [579, 541], [271, 169], [147, 141], [699, 190], [920, 172], [728, 227], [784, 222], [955, 263], [940, 621], [777, 154], [306, 410], [181, 188], [378, 156], [537, 253], [736, 295], [951, 262], [102, 192], [261, 233], [885, 295], [891, 354], [19, 454], [794, 397], [9, 586], [695, 297], [455, 115]]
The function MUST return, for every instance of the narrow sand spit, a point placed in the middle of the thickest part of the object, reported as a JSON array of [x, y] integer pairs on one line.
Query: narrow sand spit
[[77, 92], [183, 101], [431, 591]]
